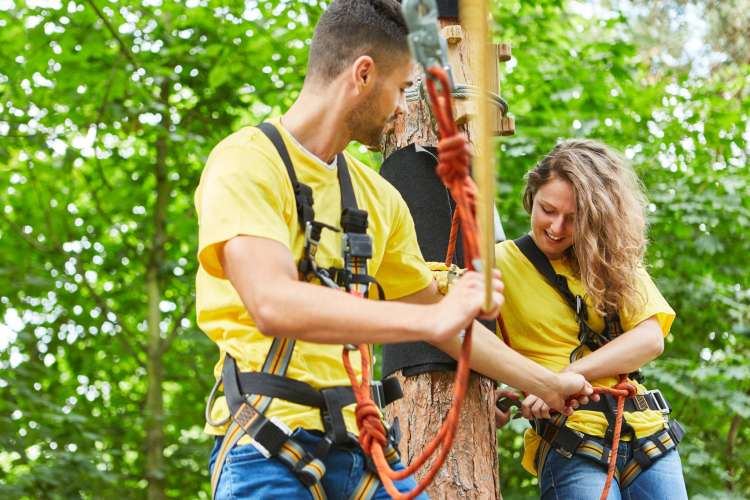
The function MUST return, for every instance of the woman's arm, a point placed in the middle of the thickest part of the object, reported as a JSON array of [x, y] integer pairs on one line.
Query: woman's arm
[[625, 354]]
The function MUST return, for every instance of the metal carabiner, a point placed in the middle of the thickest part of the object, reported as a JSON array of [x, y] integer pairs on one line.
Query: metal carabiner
[[425, 42]]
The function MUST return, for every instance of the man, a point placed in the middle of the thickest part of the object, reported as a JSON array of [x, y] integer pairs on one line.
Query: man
[[253, 304]]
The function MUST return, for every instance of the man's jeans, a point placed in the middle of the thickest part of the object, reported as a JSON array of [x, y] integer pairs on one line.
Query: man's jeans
[[582, 479], [248, 474]]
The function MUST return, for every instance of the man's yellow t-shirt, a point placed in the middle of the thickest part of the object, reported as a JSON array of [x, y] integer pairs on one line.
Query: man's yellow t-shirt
[[543, 327], [245, 190]]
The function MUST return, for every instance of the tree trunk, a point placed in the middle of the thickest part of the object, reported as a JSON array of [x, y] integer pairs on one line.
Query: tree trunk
[[471, 469], [155, 472]]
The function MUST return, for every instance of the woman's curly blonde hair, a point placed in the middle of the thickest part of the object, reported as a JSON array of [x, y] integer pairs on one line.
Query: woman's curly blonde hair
[[609, 235]]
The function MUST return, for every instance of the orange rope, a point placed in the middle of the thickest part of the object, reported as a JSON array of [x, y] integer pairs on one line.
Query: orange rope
[[623, 390], [453, 170]]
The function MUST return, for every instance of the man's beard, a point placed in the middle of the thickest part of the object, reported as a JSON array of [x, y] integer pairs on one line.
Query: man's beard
[[363, 127]]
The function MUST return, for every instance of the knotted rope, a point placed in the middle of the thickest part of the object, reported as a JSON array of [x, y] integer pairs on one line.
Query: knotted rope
[[453, 170], [622, 391]]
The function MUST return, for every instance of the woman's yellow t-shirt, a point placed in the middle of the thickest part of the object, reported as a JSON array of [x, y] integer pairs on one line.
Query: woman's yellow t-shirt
[[543, 327], [245, 190]]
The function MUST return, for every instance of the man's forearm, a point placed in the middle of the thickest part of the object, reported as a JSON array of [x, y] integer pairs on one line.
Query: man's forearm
[[314, 313]]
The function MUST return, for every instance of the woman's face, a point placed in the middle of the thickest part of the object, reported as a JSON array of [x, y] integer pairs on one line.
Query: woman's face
[[552, 217]]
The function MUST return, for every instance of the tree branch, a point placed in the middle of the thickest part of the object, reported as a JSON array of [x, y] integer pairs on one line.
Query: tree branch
[[123, 339], [124, 49], [176, 328], [36, 245]]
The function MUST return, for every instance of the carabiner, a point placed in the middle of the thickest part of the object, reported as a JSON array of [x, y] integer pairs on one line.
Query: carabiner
[[425, 42]]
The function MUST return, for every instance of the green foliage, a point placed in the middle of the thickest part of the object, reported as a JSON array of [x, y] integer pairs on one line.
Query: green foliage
[[689, 139], [95, 95]]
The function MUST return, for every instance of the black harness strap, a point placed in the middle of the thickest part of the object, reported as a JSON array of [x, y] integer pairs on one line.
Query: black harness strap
[[348, 199], [542, 264], [586, 335], [295, 391], [303, 194]]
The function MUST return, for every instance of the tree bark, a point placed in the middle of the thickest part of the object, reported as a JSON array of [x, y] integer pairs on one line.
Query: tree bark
[[155, 472], [471, 469]]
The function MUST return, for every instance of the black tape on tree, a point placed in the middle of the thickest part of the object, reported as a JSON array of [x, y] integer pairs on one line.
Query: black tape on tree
[[447, 8], [411, 170]]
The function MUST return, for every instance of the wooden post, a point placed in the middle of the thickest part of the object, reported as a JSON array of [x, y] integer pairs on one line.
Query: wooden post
[[471, 469]]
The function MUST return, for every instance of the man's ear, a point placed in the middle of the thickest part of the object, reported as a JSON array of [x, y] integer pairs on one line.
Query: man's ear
[[363, 70]]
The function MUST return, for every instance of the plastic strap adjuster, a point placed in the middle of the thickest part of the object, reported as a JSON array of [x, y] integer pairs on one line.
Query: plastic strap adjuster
[[270, 436]]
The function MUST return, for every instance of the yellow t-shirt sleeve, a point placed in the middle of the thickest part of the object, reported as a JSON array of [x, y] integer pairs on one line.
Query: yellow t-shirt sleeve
[[655, 306], [403, 270], [241, 193]]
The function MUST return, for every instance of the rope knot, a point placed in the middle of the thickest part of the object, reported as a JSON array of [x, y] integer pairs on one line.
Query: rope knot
[[627, 387], [453, 152], [370, 426]]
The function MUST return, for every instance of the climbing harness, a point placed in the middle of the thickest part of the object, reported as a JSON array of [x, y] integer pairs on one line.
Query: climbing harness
[[249, 394], [613, 401]]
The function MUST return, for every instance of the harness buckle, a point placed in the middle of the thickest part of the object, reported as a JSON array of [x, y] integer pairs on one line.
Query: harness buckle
[[378, 394], [662, 406], [640, 402]]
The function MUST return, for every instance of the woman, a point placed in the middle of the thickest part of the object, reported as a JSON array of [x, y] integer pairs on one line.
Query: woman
[[587, 234]]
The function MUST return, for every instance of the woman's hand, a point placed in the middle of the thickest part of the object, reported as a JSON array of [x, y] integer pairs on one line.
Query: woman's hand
[[534, 407], [503, 417]]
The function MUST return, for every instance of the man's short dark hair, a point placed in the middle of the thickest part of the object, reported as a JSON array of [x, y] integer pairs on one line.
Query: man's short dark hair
[[349, 29]]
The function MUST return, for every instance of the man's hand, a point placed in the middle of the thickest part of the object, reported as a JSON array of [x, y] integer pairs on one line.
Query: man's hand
[[569, 385], [464, 303], [503, 417]]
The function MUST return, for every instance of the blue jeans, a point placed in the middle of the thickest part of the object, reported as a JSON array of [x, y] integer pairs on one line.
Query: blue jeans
[[581, 478], [248, 474]]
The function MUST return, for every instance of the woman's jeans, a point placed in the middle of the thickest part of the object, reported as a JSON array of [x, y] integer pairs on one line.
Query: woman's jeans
[[581, 478], [248, 474]]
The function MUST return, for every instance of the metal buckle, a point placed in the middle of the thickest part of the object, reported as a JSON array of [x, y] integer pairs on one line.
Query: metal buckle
[[640, 402], [378, 394], [662, 406]]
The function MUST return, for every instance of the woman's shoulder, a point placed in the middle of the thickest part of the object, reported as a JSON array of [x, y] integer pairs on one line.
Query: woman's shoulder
[[507, 253], [505, 249]]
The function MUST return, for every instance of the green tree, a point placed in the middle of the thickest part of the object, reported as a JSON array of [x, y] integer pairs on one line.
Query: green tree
[[107, 113]]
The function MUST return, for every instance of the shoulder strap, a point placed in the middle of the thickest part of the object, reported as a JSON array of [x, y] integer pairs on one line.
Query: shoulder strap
[[542, 264], [302, 193], [612, 325], [348, 199]]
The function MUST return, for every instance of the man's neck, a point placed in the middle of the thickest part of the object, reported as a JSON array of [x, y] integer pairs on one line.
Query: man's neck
[[316, 120]]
